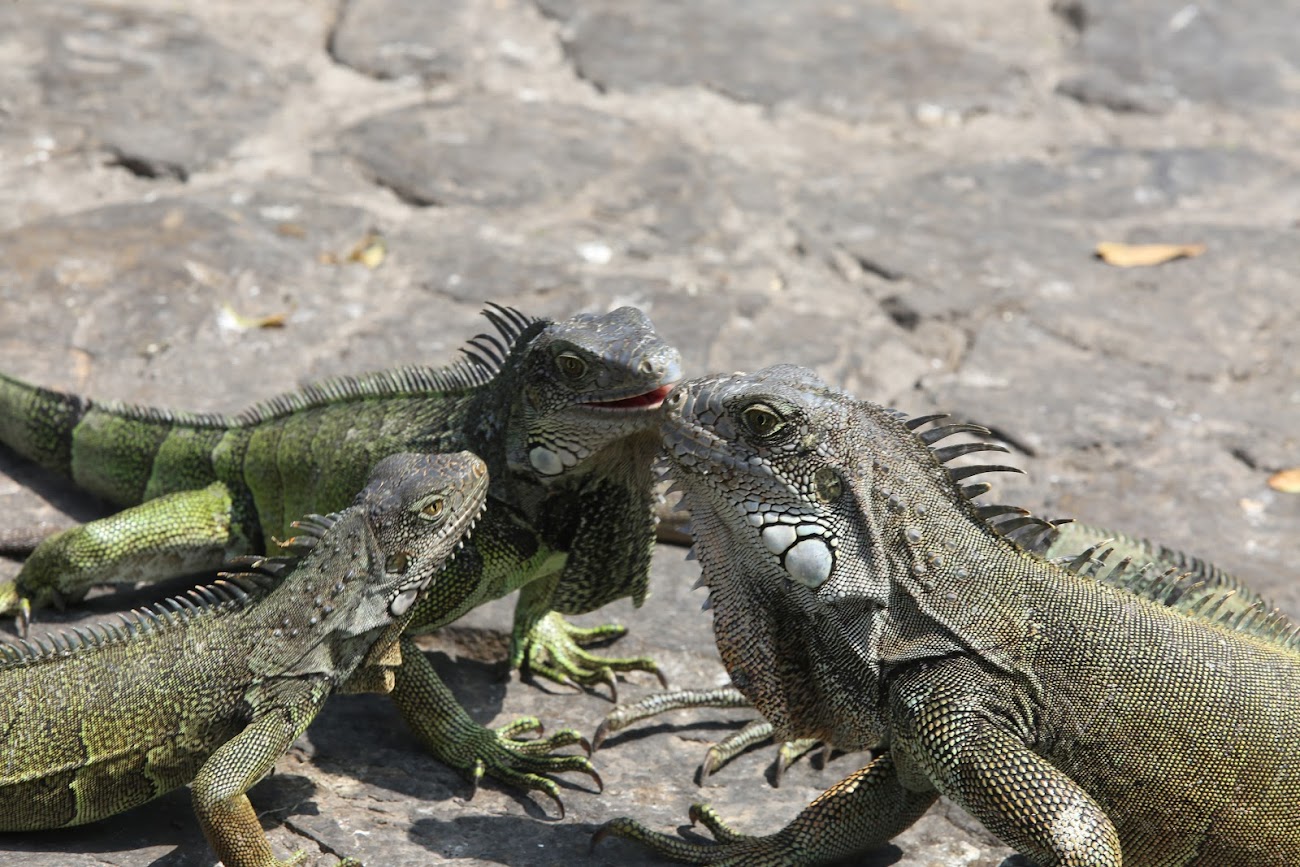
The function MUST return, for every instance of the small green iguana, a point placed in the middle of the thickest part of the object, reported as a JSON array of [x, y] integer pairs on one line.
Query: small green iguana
[[861, 598], [564, 414], [214, 686]]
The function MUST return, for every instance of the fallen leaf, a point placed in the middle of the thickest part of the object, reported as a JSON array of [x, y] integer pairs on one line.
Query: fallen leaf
[[235, 321], [370, 251], [291, 230], [1144, 255], [1286, 481]]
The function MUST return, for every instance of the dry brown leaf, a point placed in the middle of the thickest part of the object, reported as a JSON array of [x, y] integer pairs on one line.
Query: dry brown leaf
[[370, 251], [232, 319], [290, 230], [1145, 255], [1286, 481]]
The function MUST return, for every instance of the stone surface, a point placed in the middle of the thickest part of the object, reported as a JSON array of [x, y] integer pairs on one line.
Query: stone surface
[[154, 90], [905, 196], [401, 38], [1229, 54], [856, 60]]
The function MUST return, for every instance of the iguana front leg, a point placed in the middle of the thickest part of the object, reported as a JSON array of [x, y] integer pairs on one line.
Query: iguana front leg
[[862, 812], [188, 531], [449, 733], [219, 790], [607, 558], [944, 732]]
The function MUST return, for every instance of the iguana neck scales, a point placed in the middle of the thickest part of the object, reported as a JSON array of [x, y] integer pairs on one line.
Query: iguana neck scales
[[563, 413], [213, 686], [862, 598]]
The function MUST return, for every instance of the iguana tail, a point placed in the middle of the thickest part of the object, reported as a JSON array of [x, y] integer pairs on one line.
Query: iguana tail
[[109, 449]]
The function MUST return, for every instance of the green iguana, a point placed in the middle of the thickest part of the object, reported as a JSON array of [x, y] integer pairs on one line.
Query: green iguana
[[214, 686], [564, 414], [861, 598]]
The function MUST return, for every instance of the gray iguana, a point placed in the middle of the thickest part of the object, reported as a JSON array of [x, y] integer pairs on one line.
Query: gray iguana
[[1148, 570], [212, 687], [563, 413], [860, 597]]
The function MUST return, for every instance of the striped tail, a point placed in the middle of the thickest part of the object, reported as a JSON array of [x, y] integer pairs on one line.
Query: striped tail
[[125, 454], [39, 423]]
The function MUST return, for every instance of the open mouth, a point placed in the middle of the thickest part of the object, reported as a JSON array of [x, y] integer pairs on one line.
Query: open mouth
[[649, 400]]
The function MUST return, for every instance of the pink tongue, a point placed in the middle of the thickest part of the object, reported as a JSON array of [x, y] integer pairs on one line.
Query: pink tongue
[[649, 399]]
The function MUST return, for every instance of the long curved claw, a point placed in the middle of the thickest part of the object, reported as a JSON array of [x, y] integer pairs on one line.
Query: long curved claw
[[554, 650], [754, 732], [23, 621], [525, 764], [790, 752]]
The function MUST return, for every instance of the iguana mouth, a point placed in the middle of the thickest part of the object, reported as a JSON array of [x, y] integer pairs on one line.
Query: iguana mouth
[[652, 399]]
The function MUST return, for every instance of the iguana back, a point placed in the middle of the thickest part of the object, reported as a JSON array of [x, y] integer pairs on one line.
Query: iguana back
[[214, 686]]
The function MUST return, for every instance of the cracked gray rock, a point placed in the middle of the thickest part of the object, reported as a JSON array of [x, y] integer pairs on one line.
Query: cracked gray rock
[[857, 60], [153, 90], [1229, 54]]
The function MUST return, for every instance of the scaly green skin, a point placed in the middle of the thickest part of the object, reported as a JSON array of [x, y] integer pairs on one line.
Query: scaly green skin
[[860, 597], [1064, 541], [214, 687], [564, 414]]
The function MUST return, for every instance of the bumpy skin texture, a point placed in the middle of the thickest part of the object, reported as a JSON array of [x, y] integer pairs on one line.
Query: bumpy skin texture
[[214, 687], [564, 414], [1200, 585], [861, 598]]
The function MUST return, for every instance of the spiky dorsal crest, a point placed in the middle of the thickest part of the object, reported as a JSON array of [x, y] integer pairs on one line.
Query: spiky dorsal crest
[[228, 593], [484, 356], [1185, 592], [1026, 530], [310, 530]]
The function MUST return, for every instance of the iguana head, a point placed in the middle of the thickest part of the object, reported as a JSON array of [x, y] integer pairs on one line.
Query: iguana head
[[816, 519], [582, 384], [362, 570], [420, 509]]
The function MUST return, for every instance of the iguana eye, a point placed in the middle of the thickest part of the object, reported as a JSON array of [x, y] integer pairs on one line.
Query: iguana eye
[[432, 510], [571, 365], [762, 421]]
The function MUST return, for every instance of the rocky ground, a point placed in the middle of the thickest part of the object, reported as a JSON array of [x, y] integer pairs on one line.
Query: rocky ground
[[906, 196]]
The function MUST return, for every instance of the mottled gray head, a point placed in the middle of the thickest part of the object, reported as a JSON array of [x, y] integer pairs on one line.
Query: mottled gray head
[[776, 469], [589, 381], [792, 474], [420, 508]]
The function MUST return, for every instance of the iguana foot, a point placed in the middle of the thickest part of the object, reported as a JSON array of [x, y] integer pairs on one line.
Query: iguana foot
[[754, 732], [18, 600], [728, 848], [554, 649], [498, 753], [454, 738]]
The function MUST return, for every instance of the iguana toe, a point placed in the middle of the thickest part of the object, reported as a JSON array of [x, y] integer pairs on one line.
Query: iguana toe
[[554, 650], [728, 848]]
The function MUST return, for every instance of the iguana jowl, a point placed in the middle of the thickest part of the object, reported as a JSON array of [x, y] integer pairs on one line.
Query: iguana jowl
[[213, 687], [861, 598], [564, 414]]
